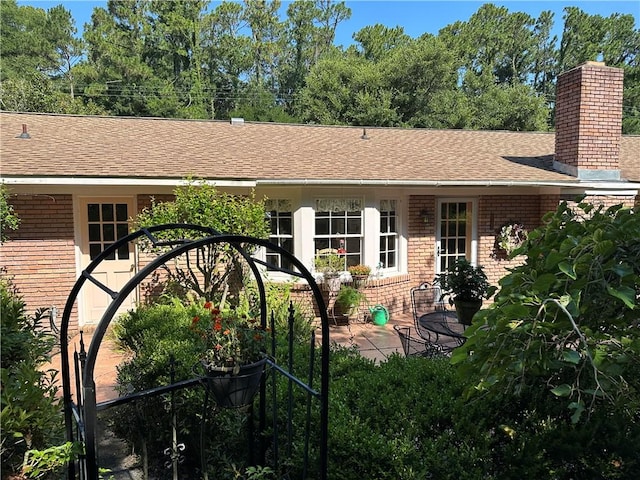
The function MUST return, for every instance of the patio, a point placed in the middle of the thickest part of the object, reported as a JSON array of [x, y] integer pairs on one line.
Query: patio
[[375, 342]]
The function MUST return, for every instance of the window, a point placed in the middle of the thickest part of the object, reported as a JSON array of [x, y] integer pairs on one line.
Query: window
[[107, 223], [281, 220], [388, 234], [338, 226]]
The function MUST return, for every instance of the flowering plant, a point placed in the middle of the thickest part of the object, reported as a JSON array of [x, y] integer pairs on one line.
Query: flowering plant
[[511, 236], [229, 339], [359, 269]]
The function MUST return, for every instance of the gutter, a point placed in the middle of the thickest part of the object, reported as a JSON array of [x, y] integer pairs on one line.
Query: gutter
[[598, 187], [118, 182]]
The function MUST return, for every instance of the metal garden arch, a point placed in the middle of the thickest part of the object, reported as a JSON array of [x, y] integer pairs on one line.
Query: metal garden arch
[[81, 414]]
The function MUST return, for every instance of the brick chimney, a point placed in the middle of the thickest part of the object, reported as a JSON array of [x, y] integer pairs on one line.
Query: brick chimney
[[589, 122]]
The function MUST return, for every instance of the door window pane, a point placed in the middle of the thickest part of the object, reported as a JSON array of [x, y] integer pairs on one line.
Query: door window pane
[[107, 222]]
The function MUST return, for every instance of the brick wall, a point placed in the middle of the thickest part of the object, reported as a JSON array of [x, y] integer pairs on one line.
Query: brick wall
[[40, 255], [589, 117], [421, 238], [497, 210]]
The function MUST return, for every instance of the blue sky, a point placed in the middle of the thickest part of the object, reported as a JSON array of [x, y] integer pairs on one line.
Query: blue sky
[[415, 16]]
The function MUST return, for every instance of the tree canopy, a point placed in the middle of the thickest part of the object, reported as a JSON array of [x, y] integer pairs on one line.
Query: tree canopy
[[187, 59]]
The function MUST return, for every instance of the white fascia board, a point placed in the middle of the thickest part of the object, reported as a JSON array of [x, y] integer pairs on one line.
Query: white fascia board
[[124, 182], [416, 183]]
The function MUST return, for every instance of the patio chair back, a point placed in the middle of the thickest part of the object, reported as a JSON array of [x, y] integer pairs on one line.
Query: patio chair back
[[426, 298]]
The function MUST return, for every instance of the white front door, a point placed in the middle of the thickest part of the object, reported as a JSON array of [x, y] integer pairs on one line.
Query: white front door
[[455, 235], [103, 221]]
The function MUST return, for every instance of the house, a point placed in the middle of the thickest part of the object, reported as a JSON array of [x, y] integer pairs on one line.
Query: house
[[407, 201]]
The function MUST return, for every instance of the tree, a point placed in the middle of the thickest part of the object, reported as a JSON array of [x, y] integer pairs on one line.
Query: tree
[[257, 103], [494, 41], [39, 50], [505, 107], [544, 56], [347, 90], [118, 74], [68, 49], [174, 48], [558, 353], [299, 53], [422, 74], [229, 56], [378, 41], [266, 29], [25, 47], [216, 270], [8, 218]]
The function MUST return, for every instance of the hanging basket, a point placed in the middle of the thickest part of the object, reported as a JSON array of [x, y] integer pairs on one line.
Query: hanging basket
[[235, 390]]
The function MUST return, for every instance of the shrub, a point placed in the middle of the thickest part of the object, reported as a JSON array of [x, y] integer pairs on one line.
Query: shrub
[[155, 335], [558, 352], [31, 414]]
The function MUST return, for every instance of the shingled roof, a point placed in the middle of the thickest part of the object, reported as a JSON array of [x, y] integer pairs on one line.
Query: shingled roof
[[150, 148]]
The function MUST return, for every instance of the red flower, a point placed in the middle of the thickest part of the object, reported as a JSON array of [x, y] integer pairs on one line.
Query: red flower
[[208, 305]]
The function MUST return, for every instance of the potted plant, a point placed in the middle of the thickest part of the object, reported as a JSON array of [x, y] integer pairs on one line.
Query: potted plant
[[329, 265], [466, 286], [348, 299], [233, 356], [359, 274]]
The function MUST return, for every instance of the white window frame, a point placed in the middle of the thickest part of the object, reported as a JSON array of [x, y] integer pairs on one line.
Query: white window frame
[[283, 205], [329, 204], [395, 234]]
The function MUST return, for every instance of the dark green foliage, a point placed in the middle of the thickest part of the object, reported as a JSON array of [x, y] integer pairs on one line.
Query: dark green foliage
[[396, 420], [31, 416], [154, 335], [560, 349], [215, 271], [465, 281], [8, 219], [202, 59]]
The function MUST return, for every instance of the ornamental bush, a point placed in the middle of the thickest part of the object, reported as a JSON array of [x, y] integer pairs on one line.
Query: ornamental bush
[[558, 353], [31, 414]]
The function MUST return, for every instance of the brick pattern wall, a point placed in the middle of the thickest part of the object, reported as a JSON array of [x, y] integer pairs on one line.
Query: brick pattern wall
[[628, 201], [497, 210], [421, 234], [589, 117], [40, 256]]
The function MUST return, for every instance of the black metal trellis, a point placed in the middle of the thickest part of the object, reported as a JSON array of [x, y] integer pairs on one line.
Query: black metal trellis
[[81, 414]]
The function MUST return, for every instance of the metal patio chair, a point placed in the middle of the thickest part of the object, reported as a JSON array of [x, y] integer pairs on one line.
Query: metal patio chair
[[415, 346], [426, 298]]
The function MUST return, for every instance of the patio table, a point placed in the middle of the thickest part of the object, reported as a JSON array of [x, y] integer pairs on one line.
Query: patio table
[[444, 324]]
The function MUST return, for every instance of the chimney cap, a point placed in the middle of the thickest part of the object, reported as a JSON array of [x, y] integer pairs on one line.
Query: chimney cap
[[594, 63]]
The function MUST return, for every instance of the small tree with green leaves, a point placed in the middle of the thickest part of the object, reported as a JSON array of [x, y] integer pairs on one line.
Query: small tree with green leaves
[[560, 347], [213, 272], [8, 219]]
